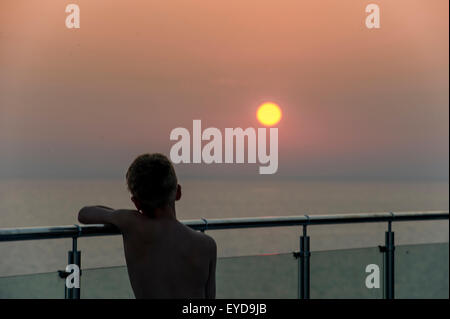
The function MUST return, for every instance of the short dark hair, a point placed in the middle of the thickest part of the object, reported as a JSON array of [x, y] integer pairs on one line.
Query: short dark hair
[[152, 180]]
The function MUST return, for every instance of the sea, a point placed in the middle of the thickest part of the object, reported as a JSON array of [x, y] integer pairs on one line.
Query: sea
[[39, 202]]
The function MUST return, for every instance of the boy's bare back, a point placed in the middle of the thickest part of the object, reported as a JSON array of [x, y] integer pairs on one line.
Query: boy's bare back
[[167, 259]]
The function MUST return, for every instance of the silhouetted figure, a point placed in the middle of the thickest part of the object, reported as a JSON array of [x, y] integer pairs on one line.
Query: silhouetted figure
[[165, 258]]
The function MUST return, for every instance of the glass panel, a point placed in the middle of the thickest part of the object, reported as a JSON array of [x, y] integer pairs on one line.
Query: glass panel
[[342, 273], [110, 282], [33, 256], [36, 286], [421, 271], [263, 276]]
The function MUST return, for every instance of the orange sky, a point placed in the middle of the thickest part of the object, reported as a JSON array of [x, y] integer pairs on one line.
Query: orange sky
[[356, 102]]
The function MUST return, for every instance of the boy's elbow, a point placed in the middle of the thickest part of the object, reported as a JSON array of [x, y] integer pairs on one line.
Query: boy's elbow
[[82, 215]]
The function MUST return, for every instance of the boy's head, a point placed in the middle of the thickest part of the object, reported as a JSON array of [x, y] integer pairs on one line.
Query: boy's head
[[152, 182]]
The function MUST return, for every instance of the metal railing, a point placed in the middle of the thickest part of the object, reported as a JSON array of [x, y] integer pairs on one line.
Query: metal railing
[[77, 231]]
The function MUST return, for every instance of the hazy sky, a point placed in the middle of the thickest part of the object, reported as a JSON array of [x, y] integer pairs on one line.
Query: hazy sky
[[356, 102]]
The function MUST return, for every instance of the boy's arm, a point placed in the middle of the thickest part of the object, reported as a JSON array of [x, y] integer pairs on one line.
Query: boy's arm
[[121, 218], [211, 283]]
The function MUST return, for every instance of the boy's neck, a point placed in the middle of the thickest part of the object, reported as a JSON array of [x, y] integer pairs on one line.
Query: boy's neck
[[167, 212]]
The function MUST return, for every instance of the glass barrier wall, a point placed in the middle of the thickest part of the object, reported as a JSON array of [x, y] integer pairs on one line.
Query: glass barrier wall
[[421, 271], [341, 274]]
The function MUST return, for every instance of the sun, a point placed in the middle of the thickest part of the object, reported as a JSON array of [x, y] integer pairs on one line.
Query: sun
[[268, 114]]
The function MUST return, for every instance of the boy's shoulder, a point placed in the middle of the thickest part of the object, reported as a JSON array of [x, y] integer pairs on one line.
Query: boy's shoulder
[[210, 242], [209, 245], [206, 240]]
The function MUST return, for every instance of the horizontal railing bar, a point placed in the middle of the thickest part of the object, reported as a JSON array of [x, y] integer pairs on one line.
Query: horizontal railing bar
[[33, 233]]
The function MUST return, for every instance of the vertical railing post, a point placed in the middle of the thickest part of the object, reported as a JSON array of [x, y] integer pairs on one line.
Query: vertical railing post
[[77, 261], [389, 279], [74, 258], [300, 261], [304, 273], [206, 225]]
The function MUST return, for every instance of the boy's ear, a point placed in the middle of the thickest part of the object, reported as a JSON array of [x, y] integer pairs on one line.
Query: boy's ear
[[178, 195], [136, 203]]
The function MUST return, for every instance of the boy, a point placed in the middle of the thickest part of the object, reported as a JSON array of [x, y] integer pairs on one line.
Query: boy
[[165, 258]]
